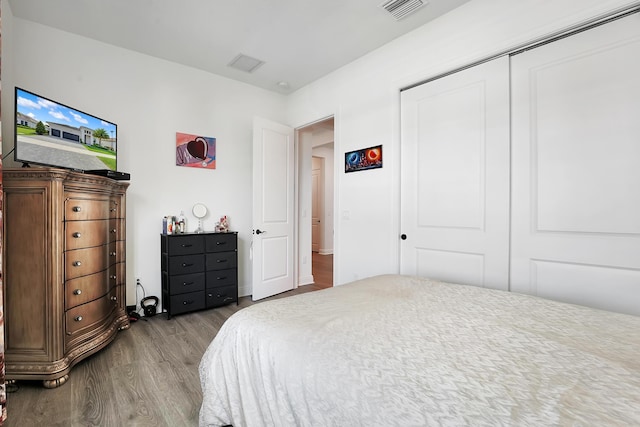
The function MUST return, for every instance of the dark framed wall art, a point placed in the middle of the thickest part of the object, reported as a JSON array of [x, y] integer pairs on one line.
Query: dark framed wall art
[[363, 159]]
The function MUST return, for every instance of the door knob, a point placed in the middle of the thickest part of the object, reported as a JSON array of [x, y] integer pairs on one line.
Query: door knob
[[258, 231]]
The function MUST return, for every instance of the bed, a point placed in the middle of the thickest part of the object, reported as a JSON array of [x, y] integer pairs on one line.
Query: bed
[[405, 351]]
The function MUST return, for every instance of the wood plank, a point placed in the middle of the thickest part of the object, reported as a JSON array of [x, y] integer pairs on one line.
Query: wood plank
[[148, 376]]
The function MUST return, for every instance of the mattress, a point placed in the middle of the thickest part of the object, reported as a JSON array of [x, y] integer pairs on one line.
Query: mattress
[[397, 350]]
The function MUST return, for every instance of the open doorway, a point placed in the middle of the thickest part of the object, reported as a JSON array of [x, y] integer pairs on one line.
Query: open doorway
[[315, 202]]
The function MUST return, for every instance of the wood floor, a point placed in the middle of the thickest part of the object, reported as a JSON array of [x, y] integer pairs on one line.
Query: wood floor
[[322, 270], [148, 376]]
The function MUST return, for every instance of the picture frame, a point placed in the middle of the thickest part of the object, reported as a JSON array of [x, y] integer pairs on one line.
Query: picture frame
[[363, 159], [195, 151]]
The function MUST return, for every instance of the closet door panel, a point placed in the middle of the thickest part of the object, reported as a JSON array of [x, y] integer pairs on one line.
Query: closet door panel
[[455, 177], [576, 168]]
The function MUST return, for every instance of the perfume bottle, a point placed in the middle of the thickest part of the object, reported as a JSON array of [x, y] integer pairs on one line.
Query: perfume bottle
[[182, 223]]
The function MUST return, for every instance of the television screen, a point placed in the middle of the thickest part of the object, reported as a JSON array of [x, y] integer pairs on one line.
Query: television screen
[[52, 134]]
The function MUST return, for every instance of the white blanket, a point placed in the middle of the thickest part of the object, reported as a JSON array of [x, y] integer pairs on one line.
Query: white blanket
[[404, 351]]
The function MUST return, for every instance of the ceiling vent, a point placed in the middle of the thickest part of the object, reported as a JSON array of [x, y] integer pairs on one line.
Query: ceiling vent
[[402, 8], [245, 63]]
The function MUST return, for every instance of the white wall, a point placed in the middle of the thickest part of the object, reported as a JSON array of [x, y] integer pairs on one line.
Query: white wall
[[150, 100], [364, 97]]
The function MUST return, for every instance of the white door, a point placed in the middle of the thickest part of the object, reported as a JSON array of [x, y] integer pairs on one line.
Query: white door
[[576, 168], [455, 177], [273, 209], [316, 202]]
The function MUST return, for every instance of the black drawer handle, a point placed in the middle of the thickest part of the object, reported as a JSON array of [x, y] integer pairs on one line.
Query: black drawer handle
[[187, 302], [186, 245], [221, 278], [187, 283], [221, 243], [184, 264], [221, 260]]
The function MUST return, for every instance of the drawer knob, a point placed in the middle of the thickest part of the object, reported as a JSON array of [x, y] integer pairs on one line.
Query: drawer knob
[[187, 302], [184, 264], [186, 245], [113, 209], [77, 263], [77, 292], [78, 318], [112, 253], [221, 260], [114, 298], [221, 243], [112, 277], [77, 235], [113, 230], [220, 278], [187, 283], [76, 208]]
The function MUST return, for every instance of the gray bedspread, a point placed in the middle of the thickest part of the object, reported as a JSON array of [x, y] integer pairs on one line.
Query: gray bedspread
[[404, 351]]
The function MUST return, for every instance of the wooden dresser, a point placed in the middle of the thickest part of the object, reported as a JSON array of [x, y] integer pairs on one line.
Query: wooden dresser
[[198, 271], [64, 270]]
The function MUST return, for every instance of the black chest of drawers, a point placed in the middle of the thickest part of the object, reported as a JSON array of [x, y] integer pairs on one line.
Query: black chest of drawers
[[199, 271]]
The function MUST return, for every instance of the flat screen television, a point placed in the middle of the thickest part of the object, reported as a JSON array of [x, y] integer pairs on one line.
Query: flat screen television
[[49, 133]]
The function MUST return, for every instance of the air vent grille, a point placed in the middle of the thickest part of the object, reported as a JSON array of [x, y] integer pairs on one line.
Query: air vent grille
[[245, 63], [402, 8]]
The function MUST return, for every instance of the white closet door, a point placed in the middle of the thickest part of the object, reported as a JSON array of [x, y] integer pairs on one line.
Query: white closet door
[[455, 177], [576, 168]]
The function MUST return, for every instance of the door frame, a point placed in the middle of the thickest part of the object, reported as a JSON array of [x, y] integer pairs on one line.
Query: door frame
[[320, 195], [298, 219]]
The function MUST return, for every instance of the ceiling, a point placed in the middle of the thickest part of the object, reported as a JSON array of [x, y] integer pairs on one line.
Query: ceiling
[[298, 40]]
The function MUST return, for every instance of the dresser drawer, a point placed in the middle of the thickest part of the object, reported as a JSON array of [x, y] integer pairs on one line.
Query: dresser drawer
[[81, 262], [84, 318], [116, 229], [220, 242], [86, 288], [221, 260], [186, 264], [187, 302], [116, 252], [185, 245], [118, 273], [186, 283], [217, 278], [221, 296], [115, 208], [77, 208], [84, 234]]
